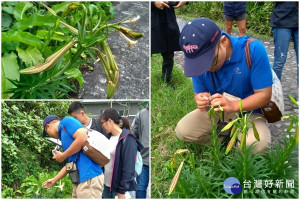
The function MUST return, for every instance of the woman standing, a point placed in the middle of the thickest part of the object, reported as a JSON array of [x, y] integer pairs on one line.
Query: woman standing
[[119, 172]]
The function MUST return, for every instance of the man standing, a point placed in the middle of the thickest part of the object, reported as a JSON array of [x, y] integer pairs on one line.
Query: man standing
[[140, 128], [72, 135], [76, 110], [217, 64], [284, 22]]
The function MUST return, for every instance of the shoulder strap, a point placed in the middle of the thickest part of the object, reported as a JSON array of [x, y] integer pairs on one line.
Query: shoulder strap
[[78, 153], [247, 52]]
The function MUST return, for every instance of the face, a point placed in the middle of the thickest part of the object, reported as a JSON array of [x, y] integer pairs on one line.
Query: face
[[51, 129], [106, 125], [79, 115], [219, 58]]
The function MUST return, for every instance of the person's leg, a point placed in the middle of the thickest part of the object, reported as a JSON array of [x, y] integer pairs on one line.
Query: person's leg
[[228, 23], [142, 183], [295, 36], [264, 134], [195, 127], [241, 23], [228, 26], [282, 38], [74, 188], [106, 193], [97, 185], [167, 66]]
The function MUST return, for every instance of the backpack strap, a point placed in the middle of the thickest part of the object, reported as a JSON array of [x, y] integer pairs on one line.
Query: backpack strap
[[247, 52]]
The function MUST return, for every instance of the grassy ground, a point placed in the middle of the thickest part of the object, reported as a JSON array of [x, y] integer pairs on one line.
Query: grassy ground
[[168, 107]]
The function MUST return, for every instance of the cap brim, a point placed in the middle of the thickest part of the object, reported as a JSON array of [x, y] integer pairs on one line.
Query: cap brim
[[199, 65]]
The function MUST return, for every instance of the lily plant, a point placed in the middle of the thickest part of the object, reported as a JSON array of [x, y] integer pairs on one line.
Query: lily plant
[[91, 40]]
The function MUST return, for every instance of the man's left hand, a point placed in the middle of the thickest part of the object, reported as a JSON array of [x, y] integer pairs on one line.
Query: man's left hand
[[59, 156], [220, 100]]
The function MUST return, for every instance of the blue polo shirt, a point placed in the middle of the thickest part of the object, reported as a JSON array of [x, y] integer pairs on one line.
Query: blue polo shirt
[[87, 168], [234, 77]]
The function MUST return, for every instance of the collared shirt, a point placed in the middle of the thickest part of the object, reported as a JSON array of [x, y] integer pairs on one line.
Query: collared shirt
[[234, 77]]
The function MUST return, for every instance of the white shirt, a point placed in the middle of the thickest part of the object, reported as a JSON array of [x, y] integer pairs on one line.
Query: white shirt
[[108, 167], [89, 125]]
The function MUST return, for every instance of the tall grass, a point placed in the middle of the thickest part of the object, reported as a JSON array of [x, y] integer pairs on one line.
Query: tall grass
[[258, 14], [168, 106]]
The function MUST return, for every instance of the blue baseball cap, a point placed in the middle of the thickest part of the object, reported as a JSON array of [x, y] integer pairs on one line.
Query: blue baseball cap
[[198, 40], [47, 120]]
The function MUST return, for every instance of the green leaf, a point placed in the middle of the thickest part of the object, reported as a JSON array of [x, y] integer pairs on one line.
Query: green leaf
[[5, 21], [10, 69], [60, 7], [256, 135], [23, 37], [8, 9], [290, 126], [293, 100], [35, 20], [241, 106], [30, 56], [75, 73], [20, 9], [58, 36]]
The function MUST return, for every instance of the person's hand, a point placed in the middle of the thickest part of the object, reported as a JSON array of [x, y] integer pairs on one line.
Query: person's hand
[[202, 100], [121, 196], [181, 3], [161, 4], [59, 157], [47, 184], [218, 99]]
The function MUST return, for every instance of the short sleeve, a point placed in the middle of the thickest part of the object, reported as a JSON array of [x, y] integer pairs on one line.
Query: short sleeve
[[261, 74], [198, 84], [71, 125]]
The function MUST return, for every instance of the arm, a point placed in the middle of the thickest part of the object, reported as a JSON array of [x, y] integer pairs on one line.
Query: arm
[[180, 4], [50, 182], [80, 137], [135, 125], [259, 99]]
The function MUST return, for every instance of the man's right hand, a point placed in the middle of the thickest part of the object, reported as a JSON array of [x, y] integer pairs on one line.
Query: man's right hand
[[47, 184], [202, 100], [161, 4]]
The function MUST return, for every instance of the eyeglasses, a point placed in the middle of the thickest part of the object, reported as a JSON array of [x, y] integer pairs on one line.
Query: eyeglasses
[[215, 63], [102, 122]]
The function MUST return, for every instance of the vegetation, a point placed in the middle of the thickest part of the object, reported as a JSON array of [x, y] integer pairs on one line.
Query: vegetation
[[26, 156], [185, 170], [43, 45], [257, 12]]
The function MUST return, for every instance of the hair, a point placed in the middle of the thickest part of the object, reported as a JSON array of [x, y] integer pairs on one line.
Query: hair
[[75, 106], [112, 114]]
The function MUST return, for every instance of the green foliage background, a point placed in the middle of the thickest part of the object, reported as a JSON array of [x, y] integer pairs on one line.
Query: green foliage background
[[258, 14], [24, 152]]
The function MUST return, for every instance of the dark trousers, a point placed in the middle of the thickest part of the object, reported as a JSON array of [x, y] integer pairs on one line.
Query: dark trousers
[[167, 66]]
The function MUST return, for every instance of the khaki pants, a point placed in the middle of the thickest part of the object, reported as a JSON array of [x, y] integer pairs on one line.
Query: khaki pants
[[196, 127], [89, 189]]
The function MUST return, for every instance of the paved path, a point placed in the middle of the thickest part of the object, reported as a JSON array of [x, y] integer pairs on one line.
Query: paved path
[[289, 83]]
